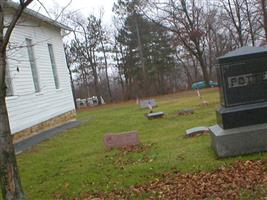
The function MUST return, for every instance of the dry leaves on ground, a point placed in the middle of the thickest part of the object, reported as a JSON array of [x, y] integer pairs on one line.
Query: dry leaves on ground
[[123, 156], [224, 183]]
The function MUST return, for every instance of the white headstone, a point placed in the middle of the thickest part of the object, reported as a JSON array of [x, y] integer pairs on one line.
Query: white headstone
[[148, 103]]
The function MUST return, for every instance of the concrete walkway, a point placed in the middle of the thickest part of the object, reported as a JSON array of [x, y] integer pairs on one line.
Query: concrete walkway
[[31, 141]]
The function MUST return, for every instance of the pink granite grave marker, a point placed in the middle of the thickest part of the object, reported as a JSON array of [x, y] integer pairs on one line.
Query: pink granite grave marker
[[121, 140]]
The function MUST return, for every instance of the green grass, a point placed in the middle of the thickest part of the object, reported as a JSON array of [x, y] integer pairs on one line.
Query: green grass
[[77, 162]]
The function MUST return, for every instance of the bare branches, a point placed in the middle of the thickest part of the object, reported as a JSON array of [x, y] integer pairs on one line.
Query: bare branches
[[45, 9], [63, 9], [186, 20], [23, 4]]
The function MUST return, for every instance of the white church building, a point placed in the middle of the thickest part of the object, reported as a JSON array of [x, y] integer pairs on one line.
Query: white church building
[[39, 92]]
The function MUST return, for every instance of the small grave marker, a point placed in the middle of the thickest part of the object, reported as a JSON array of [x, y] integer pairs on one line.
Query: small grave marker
[[121, 140], [155, 115], [81, 103], [147, 103], [196, 131]]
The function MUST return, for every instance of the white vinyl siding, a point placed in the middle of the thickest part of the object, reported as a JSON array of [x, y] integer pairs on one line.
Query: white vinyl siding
[[27, 108], [53, 64], [33, 65]]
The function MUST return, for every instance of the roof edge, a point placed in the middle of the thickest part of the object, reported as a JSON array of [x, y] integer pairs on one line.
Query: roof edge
[[39, 16]]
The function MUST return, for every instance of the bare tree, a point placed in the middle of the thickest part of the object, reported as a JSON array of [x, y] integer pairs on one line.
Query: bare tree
[[9, 174], [249, 13], [185, 19], [263, 10], [103, 38], [84, 45], [70, 60], [235, 19]]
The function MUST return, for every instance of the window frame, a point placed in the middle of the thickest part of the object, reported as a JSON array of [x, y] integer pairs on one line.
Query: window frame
[[53, 65], [8, 82], [33, 65]]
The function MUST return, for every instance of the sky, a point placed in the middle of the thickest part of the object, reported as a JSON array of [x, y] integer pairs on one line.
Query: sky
[[85, 7]]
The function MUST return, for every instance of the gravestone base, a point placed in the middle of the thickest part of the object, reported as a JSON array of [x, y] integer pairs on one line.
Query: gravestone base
[[239, 141], [250, 114]]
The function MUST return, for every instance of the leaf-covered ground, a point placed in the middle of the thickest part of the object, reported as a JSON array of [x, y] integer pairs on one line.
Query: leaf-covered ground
[[224, 183], [76, 163]]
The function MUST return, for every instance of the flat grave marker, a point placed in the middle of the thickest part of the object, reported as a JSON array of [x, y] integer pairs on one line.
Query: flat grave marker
[[155, 115], [123, 139], [196, 131]]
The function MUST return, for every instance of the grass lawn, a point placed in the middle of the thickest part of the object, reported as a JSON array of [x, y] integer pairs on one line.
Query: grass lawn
[[77, 162]]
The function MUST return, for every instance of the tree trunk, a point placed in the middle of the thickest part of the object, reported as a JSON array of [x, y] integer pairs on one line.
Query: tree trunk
[[250, 24], [9, 174], [188, 75], [203, 64], [187, 72], [204, 70], [95, 75], [140, 48], [106, 69], [72, 86], [159, 82], [264, 16], [195, 69], [119, 73], [96, 85], [123, 67]]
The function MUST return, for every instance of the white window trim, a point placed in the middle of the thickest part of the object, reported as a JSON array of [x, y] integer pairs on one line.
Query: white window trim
[[9, 76], [38, 90], [53, 63]]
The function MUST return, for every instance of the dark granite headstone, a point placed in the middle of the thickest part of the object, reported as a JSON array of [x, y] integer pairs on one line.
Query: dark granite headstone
[[242, 76], [121, 140], [242, 116]]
